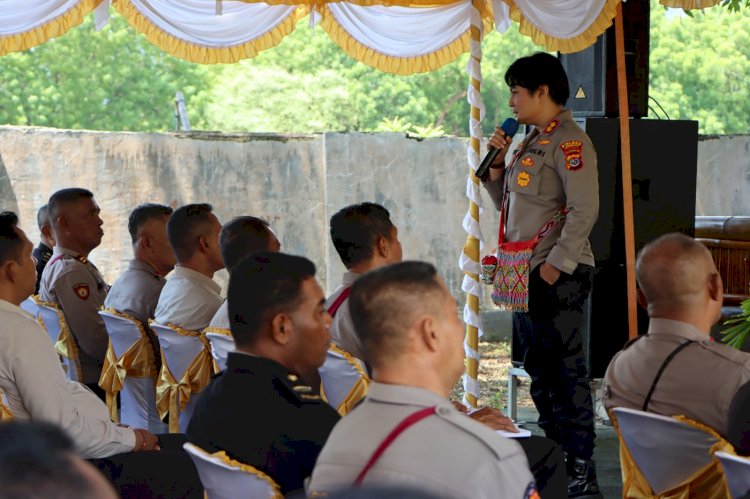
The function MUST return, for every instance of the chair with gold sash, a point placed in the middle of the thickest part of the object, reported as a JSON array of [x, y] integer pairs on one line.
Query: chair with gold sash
[[5, 412], [668, 458], [30, 305], [221, 342], [344, 381], [130, 370], [53, 320], [226, 478], [737, 472], [186, 368]]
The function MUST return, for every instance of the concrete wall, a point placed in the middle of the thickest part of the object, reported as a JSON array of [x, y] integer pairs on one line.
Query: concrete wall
[[723, 175]]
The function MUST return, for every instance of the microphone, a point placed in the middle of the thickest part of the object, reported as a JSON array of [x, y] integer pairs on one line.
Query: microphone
[[510, 127]]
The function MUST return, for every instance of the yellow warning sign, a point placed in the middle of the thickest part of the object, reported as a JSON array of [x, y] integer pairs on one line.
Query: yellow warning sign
[[580, 94]]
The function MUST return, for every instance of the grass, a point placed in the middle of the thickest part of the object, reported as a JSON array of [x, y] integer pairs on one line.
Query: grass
[[493, 377]]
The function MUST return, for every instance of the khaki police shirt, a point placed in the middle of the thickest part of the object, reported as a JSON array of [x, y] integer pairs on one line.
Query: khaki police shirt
[[76, 286], [553, 167], [342, 327], [447, 454], [37, 390], [189, 299], [700, 381], [136, 291]]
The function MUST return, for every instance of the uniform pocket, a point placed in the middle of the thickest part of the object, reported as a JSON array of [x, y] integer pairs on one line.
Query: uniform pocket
[[526, 175]]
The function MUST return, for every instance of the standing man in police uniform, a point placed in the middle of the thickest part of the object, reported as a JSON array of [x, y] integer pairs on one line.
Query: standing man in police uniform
[[72, 282], [43, 252], [554, 167]]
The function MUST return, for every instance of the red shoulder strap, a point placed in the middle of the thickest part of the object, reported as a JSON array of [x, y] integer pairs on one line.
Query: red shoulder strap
[[403, 425], [58, 257], [336, 304]]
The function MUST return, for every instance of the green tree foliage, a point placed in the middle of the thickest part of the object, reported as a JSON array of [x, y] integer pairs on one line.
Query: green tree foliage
[[110, 80], [700, 68]]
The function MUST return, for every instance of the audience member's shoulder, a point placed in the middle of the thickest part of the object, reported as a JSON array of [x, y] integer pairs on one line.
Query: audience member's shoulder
[[473, 435], [727, 353]]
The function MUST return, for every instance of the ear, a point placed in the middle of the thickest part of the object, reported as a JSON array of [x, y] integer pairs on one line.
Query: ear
[[384, 247], [716, 287], [47, 232], [641, 299], [281, 329], [543, 90], [144, 241], [10, 270], [426, 325]]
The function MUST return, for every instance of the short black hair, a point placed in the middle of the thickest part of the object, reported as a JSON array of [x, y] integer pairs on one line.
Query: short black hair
[[142, 214], [36, 461], [382, 301], [261, 286], [539, 69], [355, 231], [65, 196], [185, 226], [42, 217], [242, 236], [11, 244]]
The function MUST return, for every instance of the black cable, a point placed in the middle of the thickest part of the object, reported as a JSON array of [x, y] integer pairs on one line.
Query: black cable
[[657, 103]]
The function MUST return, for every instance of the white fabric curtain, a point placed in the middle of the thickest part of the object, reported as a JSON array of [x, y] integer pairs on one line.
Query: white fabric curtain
[[197, 22], [19, 16], [561, 18]]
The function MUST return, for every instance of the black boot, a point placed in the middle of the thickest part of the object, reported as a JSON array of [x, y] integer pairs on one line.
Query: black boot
[[582, 478]]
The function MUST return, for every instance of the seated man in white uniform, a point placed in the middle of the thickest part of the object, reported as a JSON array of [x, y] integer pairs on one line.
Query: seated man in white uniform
[[31, 375], [190, 297], [407, 322], [240, 237]]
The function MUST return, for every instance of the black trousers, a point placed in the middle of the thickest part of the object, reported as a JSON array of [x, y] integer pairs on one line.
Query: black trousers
[[546, 463], [550, 338]]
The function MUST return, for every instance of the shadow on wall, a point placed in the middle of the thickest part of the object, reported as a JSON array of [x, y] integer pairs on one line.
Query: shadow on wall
[[9, 202]]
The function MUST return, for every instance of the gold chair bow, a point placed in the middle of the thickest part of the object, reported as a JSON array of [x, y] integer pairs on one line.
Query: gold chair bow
[[171, 395], [137, 362], [65, 345], [5, 412]]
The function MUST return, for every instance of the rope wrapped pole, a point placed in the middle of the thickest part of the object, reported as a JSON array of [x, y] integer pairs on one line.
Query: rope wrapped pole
[[469, 261]]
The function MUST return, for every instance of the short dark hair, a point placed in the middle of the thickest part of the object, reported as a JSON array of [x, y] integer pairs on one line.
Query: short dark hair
[[65, 196], [11, 244], [142, 214], [242, 236], [539, 69], [382, 301], [355, 231], [185, 226], [36, 461], [42, 217], [261, 286]]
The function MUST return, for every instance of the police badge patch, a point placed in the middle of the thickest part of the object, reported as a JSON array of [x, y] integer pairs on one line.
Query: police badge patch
[[573, 150], [523, 179], [527, 162], [82, 291], [551, 127]]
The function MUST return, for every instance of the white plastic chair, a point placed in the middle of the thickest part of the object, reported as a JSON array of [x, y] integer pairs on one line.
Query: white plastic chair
[[343, 378], [225, 478], [666, 451], [221, 342], [181, 349], [53, 321], [737, 472], [138, 394]]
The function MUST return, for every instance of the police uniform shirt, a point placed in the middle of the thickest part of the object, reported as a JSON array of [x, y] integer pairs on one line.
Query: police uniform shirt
[[73, 283], [37, 390], [221, 318], [42, 253], [342, 327], [700, 381], [136, 291], [263, 415], [447, 453], [554, 167], [189, 299]]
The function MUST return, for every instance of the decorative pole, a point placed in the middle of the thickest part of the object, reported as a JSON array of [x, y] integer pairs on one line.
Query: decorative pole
[[469, 261]]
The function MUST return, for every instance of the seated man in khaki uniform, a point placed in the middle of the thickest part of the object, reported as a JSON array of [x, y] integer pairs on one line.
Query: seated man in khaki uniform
[[407, 323], [682, 290], [72, 282], [137, 290], [191, 297]]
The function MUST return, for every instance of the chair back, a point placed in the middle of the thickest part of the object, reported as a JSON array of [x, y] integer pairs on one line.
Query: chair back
[[737, 472], [5, 412], [30, 306], [187, 367], [221, 342], [130, 369], [668, 452], [344, 381], [53, 321], [225, 478]]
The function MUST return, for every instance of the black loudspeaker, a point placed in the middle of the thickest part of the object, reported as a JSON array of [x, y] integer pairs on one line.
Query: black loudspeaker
[[592, 72], [664, 157]]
